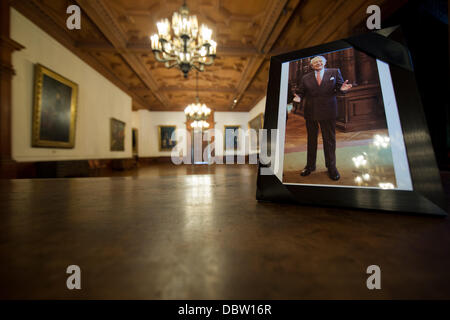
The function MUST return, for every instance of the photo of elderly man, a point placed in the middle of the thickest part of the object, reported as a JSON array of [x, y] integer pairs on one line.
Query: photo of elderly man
[[319, 89], [351, 116]]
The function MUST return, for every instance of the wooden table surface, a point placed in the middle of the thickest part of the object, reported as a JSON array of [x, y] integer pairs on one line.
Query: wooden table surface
[[187, 232]]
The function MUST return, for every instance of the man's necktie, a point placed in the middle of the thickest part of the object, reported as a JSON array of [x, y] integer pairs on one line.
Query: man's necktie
[[318, 78]]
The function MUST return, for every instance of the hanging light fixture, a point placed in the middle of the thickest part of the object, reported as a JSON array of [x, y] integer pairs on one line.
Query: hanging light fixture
[[197, 112], [186, 48]]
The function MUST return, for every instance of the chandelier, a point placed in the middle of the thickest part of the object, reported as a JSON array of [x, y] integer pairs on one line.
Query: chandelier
[[186, 48], [197, 112]]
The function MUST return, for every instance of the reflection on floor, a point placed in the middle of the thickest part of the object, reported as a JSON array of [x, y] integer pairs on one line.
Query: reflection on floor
[[379, 168], [358, 160], [166, 169], [296, 135]]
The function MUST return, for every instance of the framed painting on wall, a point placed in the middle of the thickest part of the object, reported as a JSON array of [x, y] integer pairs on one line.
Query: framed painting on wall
[[165, 138], [230, 138], [117, 135], [256, 124], [55, 109]]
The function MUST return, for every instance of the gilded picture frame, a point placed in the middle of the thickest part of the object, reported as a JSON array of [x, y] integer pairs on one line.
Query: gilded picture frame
[[117, 135], [256, 124], [164, 137], [236, 137], [54, 110]]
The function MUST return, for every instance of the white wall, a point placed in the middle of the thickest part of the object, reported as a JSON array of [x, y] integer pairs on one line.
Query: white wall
[[135, 120], [257, 109], [98, 99]]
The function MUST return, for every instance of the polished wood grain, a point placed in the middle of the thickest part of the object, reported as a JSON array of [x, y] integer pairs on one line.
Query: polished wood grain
[[197, 232]]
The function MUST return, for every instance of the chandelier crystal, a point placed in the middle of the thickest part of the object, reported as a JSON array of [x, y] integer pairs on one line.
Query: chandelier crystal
[[198, 113], [186, 47]]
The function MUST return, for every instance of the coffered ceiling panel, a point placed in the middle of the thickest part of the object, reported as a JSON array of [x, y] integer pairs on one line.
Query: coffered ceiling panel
[[233, 22], [249, 98], [221, 75], [56, 11], [114, 62], [259, 82], [316, 22], [114, 39]]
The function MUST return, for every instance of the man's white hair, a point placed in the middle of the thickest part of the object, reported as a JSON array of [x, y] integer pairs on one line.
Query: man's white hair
[[319, 57]]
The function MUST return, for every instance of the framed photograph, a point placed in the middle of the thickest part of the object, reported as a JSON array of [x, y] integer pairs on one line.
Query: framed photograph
[[256, 124], [117, 135], [55, 110], [351, 129], [231, 137], [165, 138]]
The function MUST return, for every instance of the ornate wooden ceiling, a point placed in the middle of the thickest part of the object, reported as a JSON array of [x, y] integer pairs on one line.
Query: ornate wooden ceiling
[[114, 40]]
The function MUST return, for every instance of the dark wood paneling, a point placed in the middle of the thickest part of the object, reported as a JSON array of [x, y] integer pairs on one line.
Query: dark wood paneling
[[7, 47], [361, 109]]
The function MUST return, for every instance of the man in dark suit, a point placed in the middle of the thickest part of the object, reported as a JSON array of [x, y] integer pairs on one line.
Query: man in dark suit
[[319, 89]]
